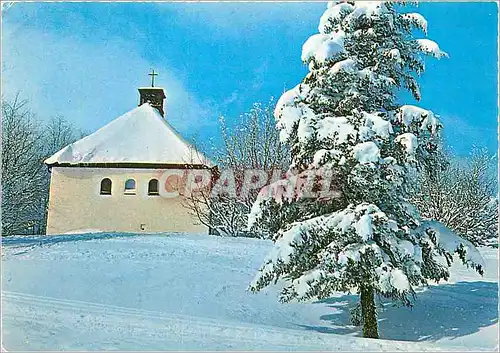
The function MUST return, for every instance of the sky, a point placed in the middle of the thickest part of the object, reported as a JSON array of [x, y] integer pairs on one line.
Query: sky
[[84, 61]]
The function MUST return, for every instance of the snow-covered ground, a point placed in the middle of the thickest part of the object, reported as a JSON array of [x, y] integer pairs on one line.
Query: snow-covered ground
[[188, 292]]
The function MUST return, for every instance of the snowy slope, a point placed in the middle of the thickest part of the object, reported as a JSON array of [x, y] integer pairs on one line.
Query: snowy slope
[[159, 292], [138, 136]]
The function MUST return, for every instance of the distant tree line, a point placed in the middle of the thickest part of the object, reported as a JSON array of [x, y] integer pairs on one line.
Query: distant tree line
[[26, 143]]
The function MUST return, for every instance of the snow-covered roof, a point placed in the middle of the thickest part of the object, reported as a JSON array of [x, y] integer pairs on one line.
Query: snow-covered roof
[[140, 136]]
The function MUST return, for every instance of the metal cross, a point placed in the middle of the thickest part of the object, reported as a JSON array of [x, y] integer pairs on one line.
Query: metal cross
[[153, 74]]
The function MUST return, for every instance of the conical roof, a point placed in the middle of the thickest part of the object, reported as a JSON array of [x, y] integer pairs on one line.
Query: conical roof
[[140, 136]]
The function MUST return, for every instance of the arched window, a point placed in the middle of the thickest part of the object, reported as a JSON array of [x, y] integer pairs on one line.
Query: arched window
[[106, 186], [153, 187], [130, 187]]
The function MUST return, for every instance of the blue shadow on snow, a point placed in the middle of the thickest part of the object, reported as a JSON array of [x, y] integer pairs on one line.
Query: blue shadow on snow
[[439, 311]]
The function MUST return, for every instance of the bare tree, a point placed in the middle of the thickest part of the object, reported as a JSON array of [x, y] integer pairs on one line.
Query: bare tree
[[251, 144], [26, 143], [58, 133], [21, 167], [462, 196]]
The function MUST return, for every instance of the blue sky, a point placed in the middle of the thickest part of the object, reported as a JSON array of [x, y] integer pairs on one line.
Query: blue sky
[[84, 61]]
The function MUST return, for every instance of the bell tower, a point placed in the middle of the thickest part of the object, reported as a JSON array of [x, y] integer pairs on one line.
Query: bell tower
[[153, 95]]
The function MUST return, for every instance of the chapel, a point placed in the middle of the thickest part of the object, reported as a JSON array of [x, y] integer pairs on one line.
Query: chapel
[[119, 179]]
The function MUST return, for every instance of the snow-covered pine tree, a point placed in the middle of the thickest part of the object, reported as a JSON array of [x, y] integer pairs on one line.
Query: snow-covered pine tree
[[344, 119]]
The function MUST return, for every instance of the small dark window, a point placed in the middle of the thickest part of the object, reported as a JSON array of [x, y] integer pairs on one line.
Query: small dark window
[[130, 187], [153, 187], [106, 186]]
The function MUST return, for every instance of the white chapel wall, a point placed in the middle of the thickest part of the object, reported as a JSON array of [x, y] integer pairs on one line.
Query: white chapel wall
[[76, 203]]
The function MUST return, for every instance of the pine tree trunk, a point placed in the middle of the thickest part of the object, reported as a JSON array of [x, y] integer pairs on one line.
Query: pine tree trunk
[[370, 329]]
